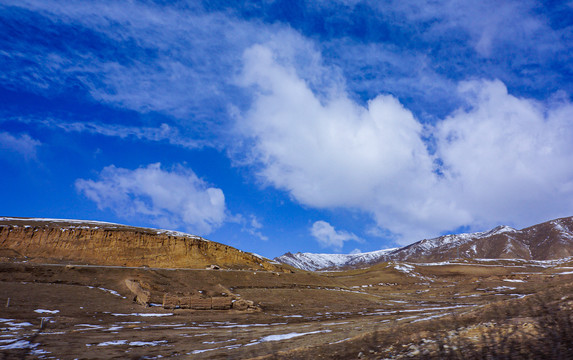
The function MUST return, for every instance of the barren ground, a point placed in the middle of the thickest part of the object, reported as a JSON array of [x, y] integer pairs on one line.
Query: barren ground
[[54, 311]]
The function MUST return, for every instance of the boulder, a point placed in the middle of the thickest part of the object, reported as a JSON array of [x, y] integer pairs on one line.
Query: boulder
[[142, 296], [243, 304]]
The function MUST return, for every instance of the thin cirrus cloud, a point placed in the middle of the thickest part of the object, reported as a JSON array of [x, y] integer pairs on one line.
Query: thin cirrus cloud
[[170, 199], [23, 145], [387, 124], [142, 57], [164, 132]]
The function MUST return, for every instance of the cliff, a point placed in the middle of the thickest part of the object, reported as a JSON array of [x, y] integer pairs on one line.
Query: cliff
[[97, 243]]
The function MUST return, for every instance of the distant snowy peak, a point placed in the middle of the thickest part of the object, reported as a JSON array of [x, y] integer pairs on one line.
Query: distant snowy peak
[[502, 229], [314, 262], [454, 240], [545, 241]]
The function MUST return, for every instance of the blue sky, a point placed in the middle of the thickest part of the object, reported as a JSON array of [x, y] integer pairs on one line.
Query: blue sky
[[275, 126]]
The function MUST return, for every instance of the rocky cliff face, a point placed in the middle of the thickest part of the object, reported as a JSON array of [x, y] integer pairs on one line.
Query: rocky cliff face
[[72, 241]]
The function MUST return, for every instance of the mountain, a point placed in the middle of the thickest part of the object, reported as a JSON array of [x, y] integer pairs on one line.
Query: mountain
[[101, 243], [546, 241], [314, 262]]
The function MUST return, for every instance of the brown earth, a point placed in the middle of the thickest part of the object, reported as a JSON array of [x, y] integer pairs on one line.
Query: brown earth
[[88, 312], [111, 244], [72, 291]]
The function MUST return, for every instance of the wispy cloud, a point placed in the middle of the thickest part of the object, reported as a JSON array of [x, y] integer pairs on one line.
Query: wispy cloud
[[399, 118], [23, 144], [170, 199], [164, 132], [143, 57], [250, 224]]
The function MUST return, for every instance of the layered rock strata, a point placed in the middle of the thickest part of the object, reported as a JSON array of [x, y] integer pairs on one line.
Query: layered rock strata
[[67, 241]]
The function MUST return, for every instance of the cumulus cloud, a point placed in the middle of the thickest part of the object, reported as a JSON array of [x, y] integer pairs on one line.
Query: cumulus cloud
[[331, 153], [328, 236], [508, 158], [170, 199], [22, 144], [499, 158]]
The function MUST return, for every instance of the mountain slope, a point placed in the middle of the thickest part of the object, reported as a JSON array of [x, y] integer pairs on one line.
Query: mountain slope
[[546, 241], [100, 243], [313, 262]]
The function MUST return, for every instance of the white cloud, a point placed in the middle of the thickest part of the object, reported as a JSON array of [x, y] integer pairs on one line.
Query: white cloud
[[498, 159], [170, 199], [164, 132], [249, 224], [176, 60], [22, 144], [508, 159], [327, 236], [490, 25], [503, 158], [334, 153]]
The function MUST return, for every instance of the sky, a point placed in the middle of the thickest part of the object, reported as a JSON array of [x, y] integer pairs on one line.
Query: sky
[[289, 125]]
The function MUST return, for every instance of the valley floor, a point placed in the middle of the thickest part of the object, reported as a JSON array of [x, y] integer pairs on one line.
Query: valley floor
[[63, 311]]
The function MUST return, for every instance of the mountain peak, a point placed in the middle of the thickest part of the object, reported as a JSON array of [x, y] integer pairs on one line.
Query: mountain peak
[[545, 241]]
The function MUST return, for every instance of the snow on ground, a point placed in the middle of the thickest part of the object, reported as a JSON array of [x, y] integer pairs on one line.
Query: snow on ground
[[268, 338], [503, 288], [72, 221], [289, 336], [113, 292], [143, 314], [13, 324], [19, 344], [43, 311], [405, 268], [178, 233], [130, 343]]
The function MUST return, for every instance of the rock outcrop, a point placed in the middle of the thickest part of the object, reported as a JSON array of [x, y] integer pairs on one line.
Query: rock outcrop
[[141, 295], [97, 243]]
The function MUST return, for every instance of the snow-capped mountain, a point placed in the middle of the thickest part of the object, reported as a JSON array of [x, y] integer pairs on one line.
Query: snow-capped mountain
[[313, 262], [546, 241]]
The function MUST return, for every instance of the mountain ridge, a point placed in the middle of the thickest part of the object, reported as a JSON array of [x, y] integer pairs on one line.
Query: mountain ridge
[[102, 243], [549, 240]]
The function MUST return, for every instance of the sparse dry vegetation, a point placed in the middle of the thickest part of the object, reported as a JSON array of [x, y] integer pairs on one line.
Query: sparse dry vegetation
[[465, 309]]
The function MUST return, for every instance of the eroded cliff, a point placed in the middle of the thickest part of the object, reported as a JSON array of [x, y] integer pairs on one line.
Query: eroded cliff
[[72, 241]]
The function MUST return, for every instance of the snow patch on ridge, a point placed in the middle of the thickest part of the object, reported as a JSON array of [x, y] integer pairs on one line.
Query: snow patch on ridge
[[314, 262], [91, 224]]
